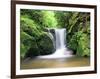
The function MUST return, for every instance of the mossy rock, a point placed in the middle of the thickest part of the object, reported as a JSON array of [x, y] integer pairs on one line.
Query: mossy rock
[[32, 52], [45, 45], [41, 46]]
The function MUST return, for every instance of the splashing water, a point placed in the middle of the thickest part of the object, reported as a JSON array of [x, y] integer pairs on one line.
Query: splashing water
[[59, 44]]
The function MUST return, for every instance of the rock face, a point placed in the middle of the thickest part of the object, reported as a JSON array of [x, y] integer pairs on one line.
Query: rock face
[[45, 45]]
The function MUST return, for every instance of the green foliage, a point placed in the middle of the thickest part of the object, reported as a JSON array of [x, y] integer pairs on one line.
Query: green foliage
[[29, 26], [35, 41], [73, 21], [80, 42], [25, 43], [49, 19]]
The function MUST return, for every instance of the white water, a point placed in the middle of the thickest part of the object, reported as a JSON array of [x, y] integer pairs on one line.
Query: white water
[[60, 38], [59, 45]]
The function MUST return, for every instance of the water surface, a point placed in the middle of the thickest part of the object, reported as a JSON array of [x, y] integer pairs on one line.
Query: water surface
[[55, 63]]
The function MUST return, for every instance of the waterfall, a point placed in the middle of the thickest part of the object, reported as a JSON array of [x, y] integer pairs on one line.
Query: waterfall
[[60, 38], [59, 43]]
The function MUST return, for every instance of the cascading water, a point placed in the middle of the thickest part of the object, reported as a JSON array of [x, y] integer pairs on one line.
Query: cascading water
[[59, 43], [60, 38]]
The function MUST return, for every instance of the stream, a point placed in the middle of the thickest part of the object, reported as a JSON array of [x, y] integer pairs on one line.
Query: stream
[[38, 63]]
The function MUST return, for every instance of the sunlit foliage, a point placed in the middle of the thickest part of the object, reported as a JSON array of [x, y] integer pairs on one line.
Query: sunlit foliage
[[34, 38]]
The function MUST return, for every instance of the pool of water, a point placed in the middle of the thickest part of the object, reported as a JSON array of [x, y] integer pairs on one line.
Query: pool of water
[[38, 63]]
